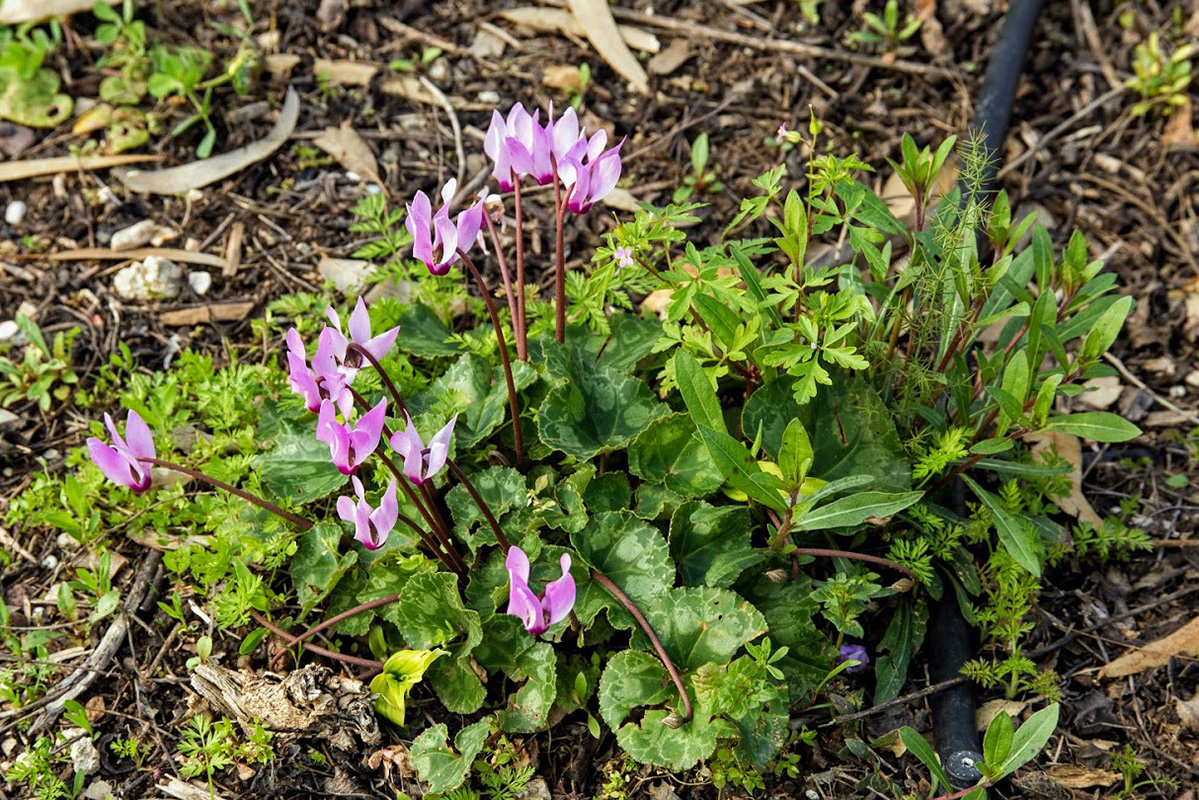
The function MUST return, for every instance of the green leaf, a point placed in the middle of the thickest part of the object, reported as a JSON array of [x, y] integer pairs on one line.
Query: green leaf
[[741, 469], [902, 639], [438, 765], [667, 451], [317, 567], [502, 489], [853, 510], [608, 492], [698, 393], [795, 454], [700, 625], [423, 334], [529, 707], [789, 609], [1031, 738], [457, 685], [632, 554], [299, 468], [430, 613], [711, 545], [479, 392], [1017, 537], [1098, 426], [631, 678], [920, 748], [591, 411], [997, 742], [718, 317]]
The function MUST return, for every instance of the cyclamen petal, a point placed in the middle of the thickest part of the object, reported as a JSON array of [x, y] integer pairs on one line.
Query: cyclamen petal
[[120, 462], [349, 447], [538, 613], [560, 594]]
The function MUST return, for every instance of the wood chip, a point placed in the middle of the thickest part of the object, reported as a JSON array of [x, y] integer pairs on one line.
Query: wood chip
[[1182, 642], [35, 167], [351, 151], [177, 180], [1081, 777], [563, 77], [343, 72], [233, 248], [408, 87], [214, 312], [138, 254]]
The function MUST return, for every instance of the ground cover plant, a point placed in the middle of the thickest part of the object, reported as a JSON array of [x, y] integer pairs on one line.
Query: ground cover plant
[[672, 527]]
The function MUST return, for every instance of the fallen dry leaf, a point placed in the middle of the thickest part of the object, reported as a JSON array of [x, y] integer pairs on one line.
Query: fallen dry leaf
[[409, 88], [558, 20], [1179, 133], [280, 65], [1081, 777], [599, 26], [1188, 712], [347, 146], [563, 77], [1182, 642], [13, 12], [1103, 392], [990, 709], [670, 59], [343, 72], [931, 33], [35, 167], [177, 180], [214, 312], [1069, 448], [899, 200], [621, 200]]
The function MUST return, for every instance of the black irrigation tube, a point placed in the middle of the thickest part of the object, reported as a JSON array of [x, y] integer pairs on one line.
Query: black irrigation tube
[[951, 639]]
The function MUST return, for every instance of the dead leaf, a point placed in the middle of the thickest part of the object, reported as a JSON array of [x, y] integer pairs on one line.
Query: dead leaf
[[166, 541], [392, 757], [670, 59], [1182, 642], [214, 312], [35, 167], [280, 65], [177, 180], [343, 72], [331, 14], [990, 710], [347, 146], [1081, 777], [188, 791], [1188, 712], [599, 26], [1179, 133], [1068, 447], [13, 12], [563, 77], [561, 21], [1103, 392], [138, 254], [899, 200], [621, 200], [656, 302], [409, 88], [931, 35]]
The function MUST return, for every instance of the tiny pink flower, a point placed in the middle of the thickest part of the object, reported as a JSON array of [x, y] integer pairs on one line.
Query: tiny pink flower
[[422, 463], [371, 525], [538, 613], [623, 256], [119, 462], [349, 447], [781, 135]]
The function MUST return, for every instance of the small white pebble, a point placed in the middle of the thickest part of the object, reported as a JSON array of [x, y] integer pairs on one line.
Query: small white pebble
[[490, 97], [50, 561], [352, 176], [8, 330], [200, 281], [374, 188], [15, 213], [811, 794]]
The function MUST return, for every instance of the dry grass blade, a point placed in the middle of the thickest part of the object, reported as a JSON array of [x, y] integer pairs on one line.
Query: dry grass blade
[[36, 167], [137, 254]]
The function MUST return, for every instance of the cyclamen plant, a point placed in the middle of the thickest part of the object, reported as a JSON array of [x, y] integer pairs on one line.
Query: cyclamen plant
[[649, 515]]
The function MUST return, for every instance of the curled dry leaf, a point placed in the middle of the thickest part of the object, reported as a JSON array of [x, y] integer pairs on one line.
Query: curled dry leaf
[[600, 28], [214, 312], [1073, 777], [1182, 642], [347, 146], [558, 20], [343, 72], [176, 180]]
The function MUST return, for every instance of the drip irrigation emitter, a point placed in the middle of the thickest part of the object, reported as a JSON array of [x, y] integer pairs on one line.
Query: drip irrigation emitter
[[951, 639]]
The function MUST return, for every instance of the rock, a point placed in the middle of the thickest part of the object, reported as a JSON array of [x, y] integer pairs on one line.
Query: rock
[[7, 418], [15, 213], [156, 278], [536, 789], [200, 281], [8, 330], [141, 234], [347, 274], [98, 790], [85, 758]]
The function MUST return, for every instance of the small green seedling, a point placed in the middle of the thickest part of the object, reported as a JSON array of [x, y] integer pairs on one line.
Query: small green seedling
[[1161, 77], [885, 30], [701, 180], [44, 375], [417, 63]]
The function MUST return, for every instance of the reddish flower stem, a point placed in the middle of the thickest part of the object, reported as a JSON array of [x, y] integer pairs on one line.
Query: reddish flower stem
[[521, 351], [478, 498], [522, 325], [244, 495], [320, 651], [507, 363], [886, 562], [559, 260], [606, 582], [391, 388], [358, 609]]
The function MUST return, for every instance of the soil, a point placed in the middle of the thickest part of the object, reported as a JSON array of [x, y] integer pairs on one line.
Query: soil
[[1075, 155]]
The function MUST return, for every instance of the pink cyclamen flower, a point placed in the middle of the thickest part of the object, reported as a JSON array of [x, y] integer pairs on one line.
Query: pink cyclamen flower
[[371, 525], [349, 447], [538, 613], [324, 378], [360, 334], [590, 175], [119, 462], [436, 238], [422, 463], [299, 374]]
